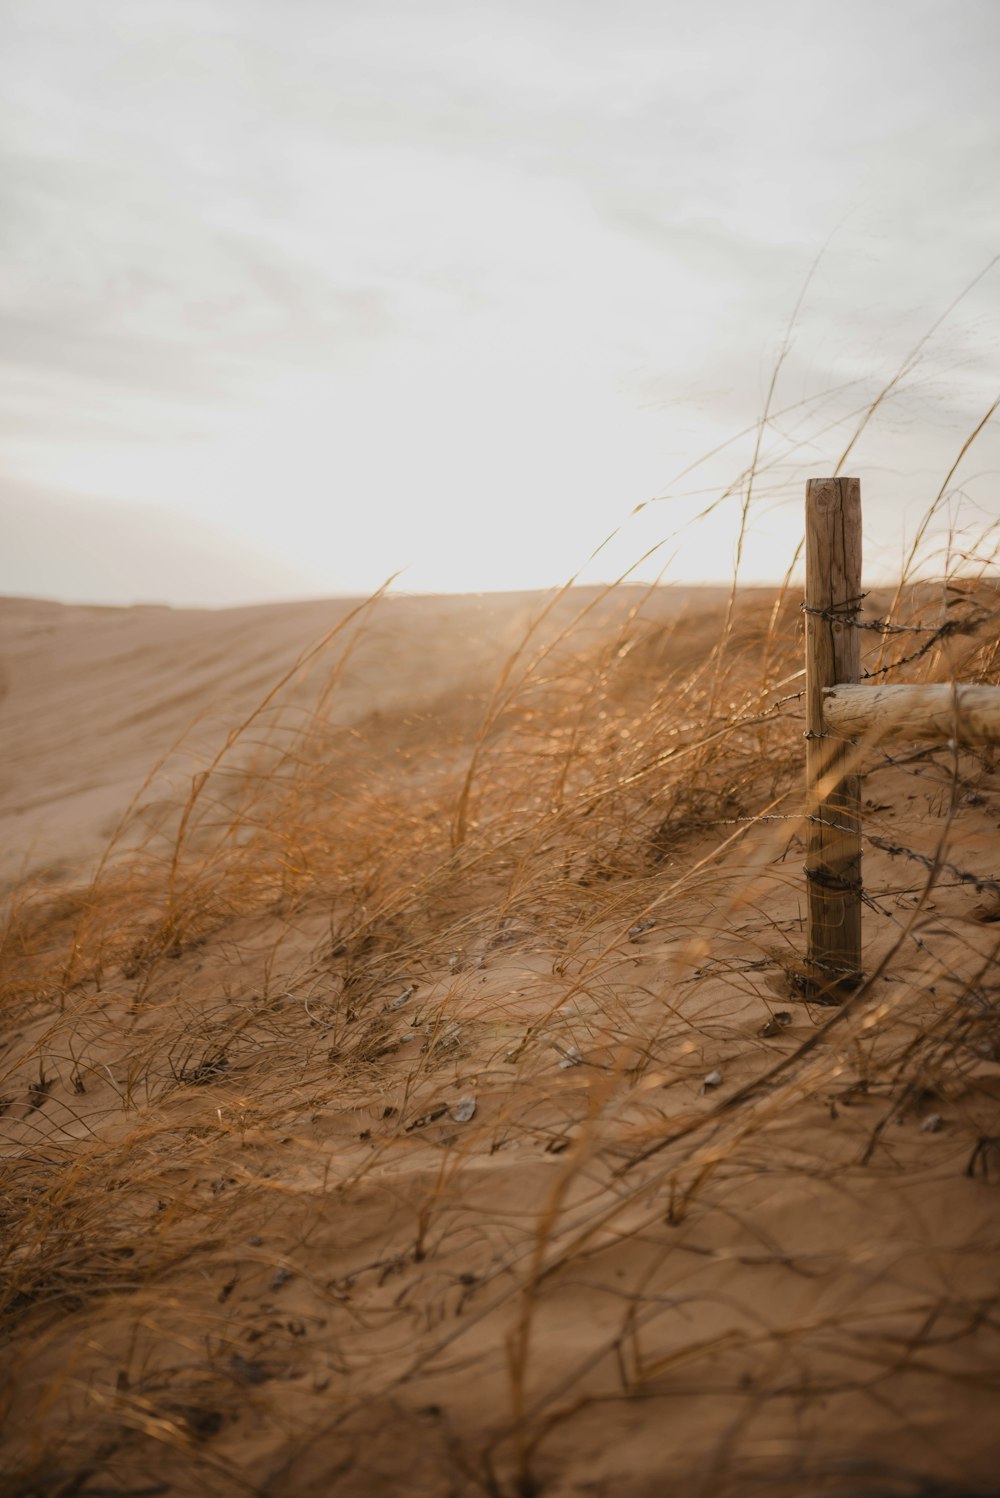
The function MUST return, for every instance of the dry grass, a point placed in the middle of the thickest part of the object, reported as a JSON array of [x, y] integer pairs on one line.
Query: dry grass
[[254, 1243]]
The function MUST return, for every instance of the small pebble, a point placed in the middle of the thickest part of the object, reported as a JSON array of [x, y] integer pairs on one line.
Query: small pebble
[[932, 1124], [714, 1079], [428, 1118], [464, 1109], [776, 1023]]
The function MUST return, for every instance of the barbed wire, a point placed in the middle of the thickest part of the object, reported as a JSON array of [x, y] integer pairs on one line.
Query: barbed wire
[[846, 613], [874, 900], [981, 883], [963, 626]]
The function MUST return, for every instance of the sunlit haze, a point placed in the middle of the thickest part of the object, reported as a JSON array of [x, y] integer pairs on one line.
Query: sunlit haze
[[301, 295]]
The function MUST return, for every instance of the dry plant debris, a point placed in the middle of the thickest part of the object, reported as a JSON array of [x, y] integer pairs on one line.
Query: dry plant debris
[[421, 1099]]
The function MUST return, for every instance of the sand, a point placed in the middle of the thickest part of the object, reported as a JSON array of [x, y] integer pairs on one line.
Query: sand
[[92, 698], [380, 1168]]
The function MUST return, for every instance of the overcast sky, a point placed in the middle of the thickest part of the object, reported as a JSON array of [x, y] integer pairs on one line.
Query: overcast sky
[[297, 293]]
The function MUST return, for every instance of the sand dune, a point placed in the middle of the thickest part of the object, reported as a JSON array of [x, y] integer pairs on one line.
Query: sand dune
[[357, 1145], [91, 698]]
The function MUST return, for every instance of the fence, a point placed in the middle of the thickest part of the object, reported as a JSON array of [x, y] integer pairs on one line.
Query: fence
[[839, 711]]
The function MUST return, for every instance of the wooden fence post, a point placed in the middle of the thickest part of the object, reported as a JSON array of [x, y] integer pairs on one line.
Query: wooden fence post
[[833, 658]]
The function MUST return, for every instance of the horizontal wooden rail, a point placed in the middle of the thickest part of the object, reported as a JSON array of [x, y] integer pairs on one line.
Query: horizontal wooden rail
[[965, 714]]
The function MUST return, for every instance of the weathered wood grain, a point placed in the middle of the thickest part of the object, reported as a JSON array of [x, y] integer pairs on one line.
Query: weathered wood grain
[[966, 714], [833, 659]]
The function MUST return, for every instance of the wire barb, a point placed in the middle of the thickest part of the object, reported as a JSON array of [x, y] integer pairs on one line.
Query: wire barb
[[827, 879]]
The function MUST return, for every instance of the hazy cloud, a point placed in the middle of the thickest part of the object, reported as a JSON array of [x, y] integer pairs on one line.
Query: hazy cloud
[[365, 254]]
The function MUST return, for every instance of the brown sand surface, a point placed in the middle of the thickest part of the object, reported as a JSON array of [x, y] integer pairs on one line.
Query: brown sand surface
[[423, 1101], [92, 697]]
